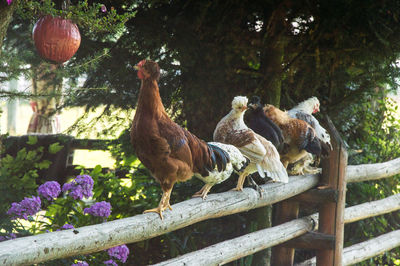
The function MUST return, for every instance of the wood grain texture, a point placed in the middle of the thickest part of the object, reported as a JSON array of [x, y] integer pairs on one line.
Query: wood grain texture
[[376, 171]]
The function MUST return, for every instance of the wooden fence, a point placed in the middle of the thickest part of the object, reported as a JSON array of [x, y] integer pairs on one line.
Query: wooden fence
[[322, 231]]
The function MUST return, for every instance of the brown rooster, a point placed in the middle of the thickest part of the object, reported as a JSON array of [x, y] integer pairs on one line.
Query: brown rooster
[[299, 135], [170, 152]]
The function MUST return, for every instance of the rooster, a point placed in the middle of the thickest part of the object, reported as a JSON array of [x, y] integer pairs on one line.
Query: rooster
[[304, 111], [263, 155], [170, 152], [261, 124], [299, 135]]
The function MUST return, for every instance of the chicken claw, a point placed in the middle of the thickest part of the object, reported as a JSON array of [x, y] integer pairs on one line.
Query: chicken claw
[[164, 204], [202, 192], [158, 210], [255, 186]]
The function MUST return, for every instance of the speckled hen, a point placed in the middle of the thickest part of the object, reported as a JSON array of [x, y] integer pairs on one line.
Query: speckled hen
[[263, 155]]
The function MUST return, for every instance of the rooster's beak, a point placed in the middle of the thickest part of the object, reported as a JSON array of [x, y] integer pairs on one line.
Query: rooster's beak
[[136, 67]]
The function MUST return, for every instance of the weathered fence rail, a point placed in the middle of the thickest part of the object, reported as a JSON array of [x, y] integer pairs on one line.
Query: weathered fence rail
[[366, 172], [298, 231], [371, 248]]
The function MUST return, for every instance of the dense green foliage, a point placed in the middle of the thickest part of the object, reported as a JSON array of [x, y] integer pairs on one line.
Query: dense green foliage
[[373, 131], [19, 175]]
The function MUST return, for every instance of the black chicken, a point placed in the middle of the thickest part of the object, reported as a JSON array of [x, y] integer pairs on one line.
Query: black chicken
[[262, 125]]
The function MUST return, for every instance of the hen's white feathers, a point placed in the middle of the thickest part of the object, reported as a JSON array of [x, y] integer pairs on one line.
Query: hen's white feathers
[[237, 161], [263, 155], [304, 111]]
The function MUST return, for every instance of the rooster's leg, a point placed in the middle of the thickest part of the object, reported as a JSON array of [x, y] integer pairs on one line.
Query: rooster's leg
[[285, 163], [164, 203], [255, 185], [203, 192], [239, 186]]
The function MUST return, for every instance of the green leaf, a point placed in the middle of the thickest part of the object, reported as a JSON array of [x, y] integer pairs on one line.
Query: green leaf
[[32, 140], [43, 164], [96, 170], [55, 147]]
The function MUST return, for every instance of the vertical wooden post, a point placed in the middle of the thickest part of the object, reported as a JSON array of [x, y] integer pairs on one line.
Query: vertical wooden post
[[285, 211], [331, 214]]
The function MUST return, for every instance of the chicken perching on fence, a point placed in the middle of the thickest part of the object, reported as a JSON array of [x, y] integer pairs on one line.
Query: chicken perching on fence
[[263, 155], [299, 135], [170, 152], [262, 125], [305, 111]]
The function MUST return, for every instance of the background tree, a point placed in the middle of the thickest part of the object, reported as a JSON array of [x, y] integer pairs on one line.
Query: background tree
[[6, 12]]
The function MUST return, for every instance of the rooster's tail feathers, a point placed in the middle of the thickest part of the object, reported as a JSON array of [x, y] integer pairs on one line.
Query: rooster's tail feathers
[[219, 157]]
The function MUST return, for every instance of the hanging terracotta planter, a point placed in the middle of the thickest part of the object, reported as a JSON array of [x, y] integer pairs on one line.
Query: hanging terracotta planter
[[56, 39]]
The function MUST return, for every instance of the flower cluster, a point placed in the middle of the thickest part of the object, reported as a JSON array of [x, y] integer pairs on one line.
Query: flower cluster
[[110, 262], [80, 263], [101, 209], [119, 252], [9, 2], [49, 190], [10, 236], [66, 226], [80, 187], [28, 206]]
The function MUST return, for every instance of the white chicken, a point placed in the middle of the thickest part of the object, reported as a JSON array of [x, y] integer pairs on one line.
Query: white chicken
[[304, 111], [237, 162], [263, 155]]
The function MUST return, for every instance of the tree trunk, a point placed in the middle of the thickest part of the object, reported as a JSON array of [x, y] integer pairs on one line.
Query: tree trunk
[[270, 92], [6, 12], [262, 219]]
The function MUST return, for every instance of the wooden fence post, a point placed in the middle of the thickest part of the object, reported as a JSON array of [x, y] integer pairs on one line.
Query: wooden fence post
[[330, 197], [331, 214], [285, 211]]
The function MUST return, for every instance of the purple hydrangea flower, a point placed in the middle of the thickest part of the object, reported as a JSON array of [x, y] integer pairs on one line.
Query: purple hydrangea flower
[[80, 187], [103, 8], [66, 226], [80, 263], [28, 206], [9, 2], [10, 236], [119, 252], [102, 209], [50, 190], [110, 262]]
